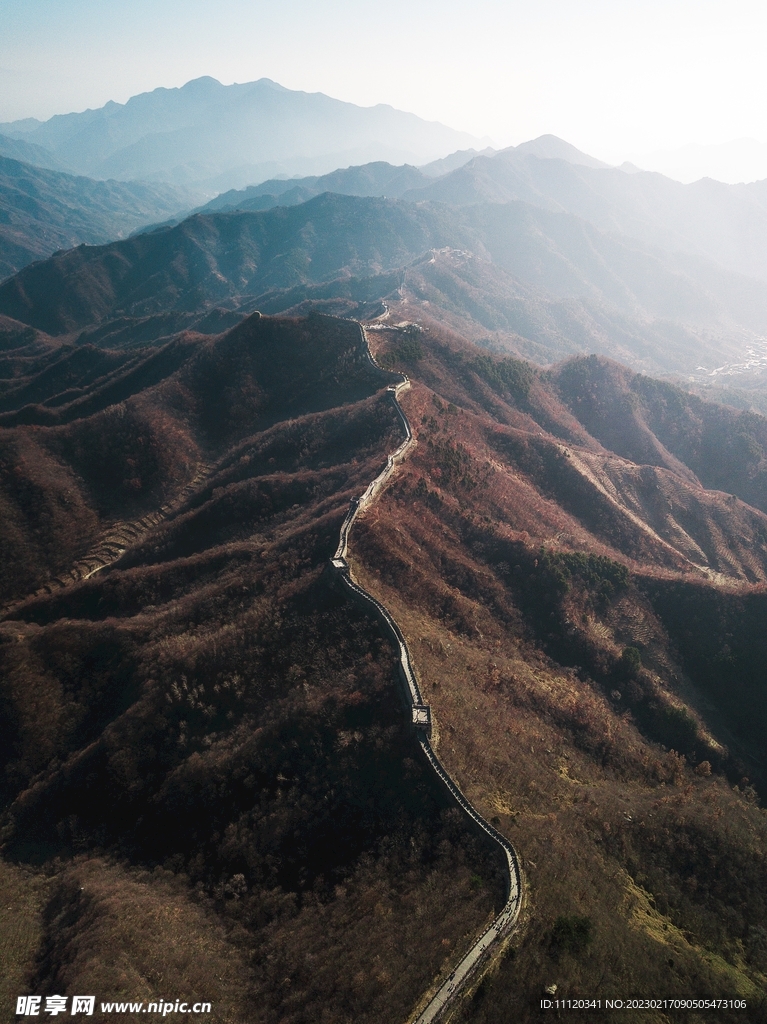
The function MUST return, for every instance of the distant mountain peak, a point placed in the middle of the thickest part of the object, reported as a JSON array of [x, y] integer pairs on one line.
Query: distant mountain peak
[[204, 81], [550, 147], [220, 137]]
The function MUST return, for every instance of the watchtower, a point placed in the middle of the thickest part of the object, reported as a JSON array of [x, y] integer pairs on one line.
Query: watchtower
[[422, 718]]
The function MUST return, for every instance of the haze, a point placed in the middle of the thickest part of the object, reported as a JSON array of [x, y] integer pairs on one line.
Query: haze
[[619, 80]]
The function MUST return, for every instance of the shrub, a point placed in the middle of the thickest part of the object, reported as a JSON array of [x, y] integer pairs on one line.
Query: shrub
[[598, 575], [630, 663], [506, 376], [571, 934], [409, 350]]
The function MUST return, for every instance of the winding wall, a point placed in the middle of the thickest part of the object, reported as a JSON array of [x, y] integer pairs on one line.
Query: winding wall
[[503, 923]]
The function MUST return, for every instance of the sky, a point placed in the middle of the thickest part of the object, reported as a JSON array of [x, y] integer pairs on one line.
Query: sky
[[620, 79]]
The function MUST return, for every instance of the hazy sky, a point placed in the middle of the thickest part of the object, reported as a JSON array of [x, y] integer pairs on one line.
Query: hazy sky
[[615, 77]]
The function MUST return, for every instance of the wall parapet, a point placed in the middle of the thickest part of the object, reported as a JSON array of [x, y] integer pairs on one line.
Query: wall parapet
[[420, 719]]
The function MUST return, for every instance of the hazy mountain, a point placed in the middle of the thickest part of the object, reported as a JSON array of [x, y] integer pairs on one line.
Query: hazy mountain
[[230, 136], [725, 223], [741, 160], [550, 278], [20, 129], [205, 774], [380, 178], [374, 179], [220, 258], [483, 301], [436, 168], [549, 147], [18, 149], [42, 211]]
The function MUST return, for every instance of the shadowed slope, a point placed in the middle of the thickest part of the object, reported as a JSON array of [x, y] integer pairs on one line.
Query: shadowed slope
[[547, 283], [208, 707], [651, 422], [209, 259], [585, 619], [42, 211], [131, 442], [374, 179]]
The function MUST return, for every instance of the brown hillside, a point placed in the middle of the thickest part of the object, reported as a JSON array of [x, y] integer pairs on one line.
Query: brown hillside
[[203, 740], [586, 636], [135, 430], [650, 422]]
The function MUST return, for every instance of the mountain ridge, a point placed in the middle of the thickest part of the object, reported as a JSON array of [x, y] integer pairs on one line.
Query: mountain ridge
[[221, 137], [44, 210], [583, 612], [724, 223], [523, 271]]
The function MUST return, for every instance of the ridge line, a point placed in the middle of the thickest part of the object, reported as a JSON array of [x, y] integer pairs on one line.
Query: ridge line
[[503, 923]]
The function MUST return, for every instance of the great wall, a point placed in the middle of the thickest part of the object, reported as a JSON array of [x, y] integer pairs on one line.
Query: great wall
[[111, 547], [434, 1004]]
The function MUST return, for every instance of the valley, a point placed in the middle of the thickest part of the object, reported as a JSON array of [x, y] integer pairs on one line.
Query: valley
[[43, 211]]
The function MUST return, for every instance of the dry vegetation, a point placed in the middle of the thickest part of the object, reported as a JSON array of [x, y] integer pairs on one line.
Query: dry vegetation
[[135, 935], [205, 764], [207, 783], [22, 896], [605, 709]]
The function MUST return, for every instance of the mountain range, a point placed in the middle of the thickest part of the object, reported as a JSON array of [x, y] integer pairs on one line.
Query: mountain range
[[217, 137], [208, 788], [28, 152], [42, 211], [723, 223], [383, 179], [740, 160], [206, 776], [535, 282]]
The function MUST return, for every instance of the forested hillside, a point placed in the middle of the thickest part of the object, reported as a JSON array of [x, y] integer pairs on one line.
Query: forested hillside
[[205, 759]]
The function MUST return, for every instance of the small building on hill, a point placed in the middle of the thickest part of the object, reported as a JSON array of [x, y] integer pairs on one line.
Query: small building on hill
[[422, 718]]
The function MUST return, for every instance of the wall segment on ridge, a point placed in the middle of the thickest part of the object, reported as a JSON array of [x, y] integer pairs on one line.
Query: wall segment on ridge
[[504, 922]]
